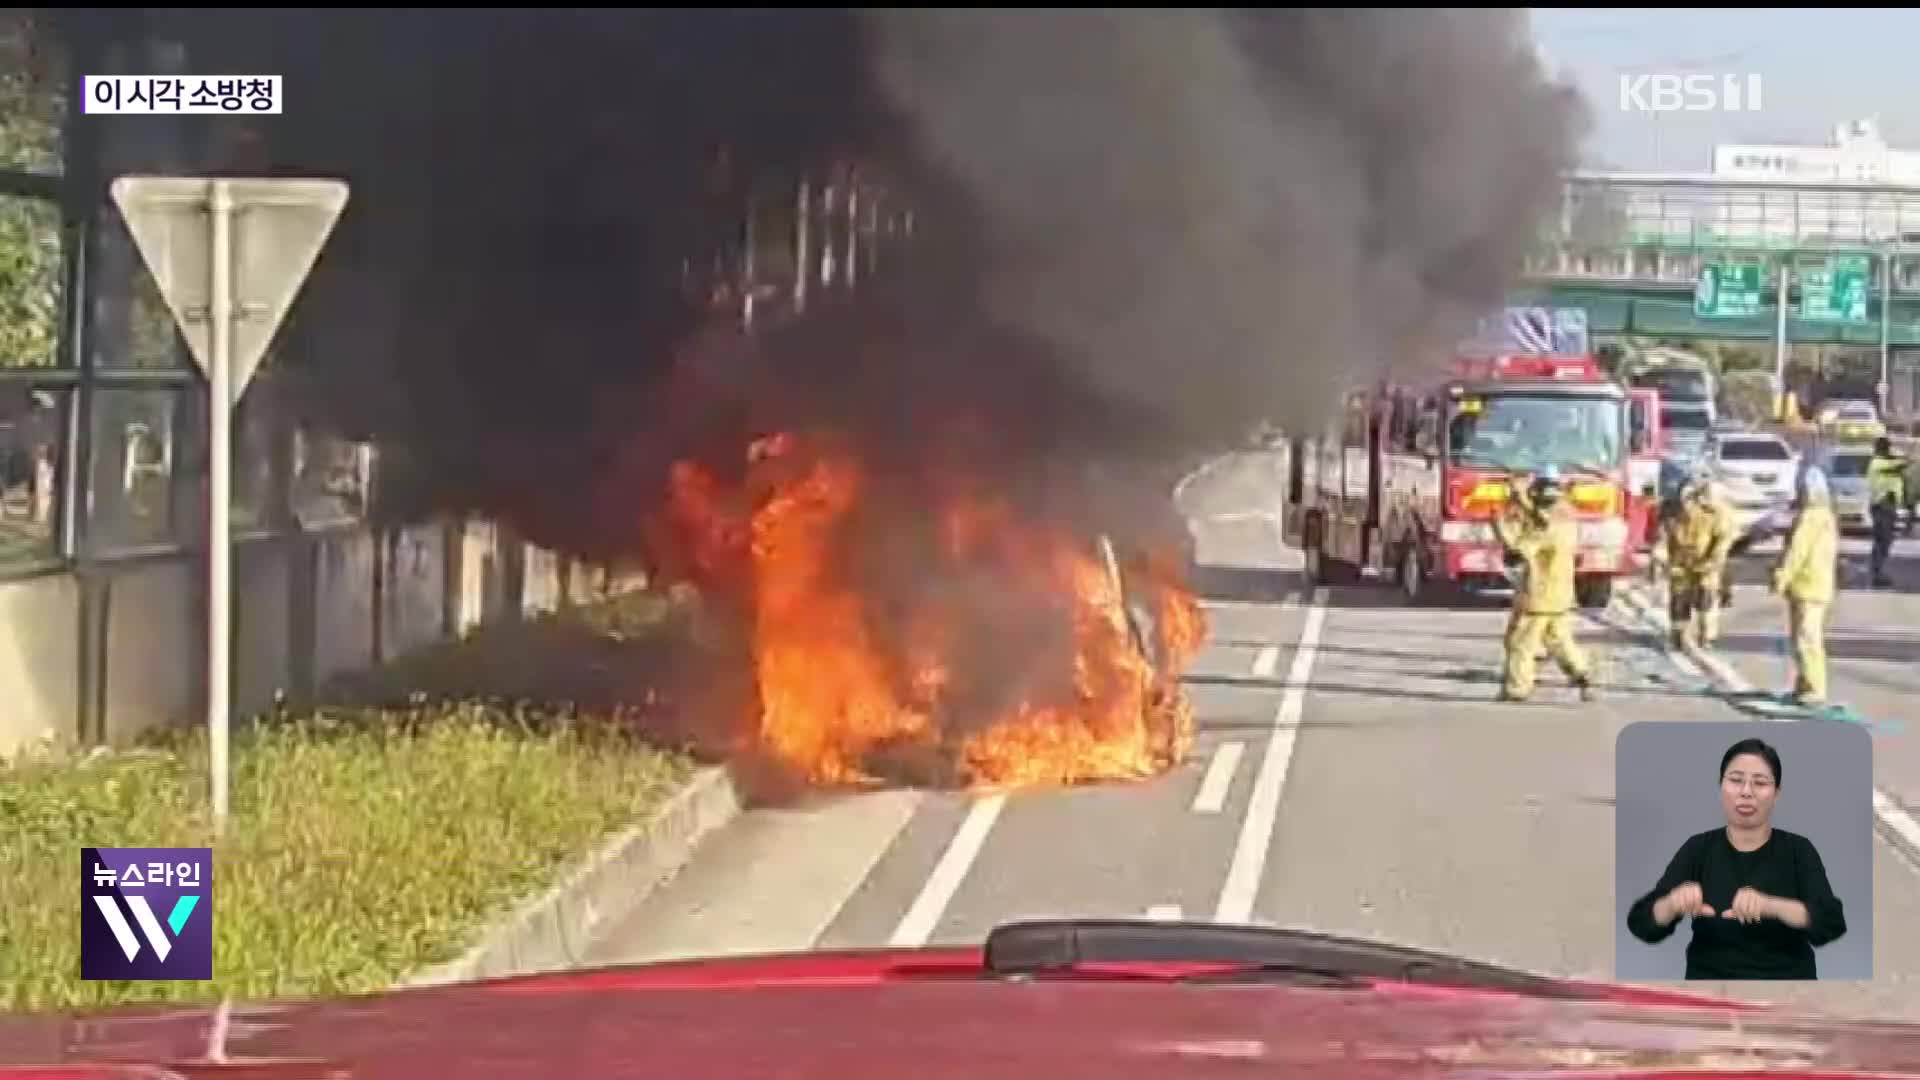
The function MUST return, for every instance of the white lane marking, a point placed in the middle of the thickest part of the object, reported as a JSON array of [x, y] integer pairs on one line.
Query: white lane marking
[[1164, 912], [1256, 829], [1684, 663], [1644, 609], [1180, 489], [1733, 680], [948, 873], [1266, 661], [1891, 815], [1212, 797], [1897, 820]]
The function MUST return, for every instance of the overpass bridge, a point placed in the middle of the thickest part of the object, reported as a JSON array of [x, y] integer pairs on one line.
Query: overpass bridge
[[1630, 247]]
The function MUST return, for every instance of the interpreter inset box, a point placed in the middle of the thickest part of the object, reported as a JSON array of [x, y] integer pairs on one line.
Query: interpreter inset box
[[1743, 852]]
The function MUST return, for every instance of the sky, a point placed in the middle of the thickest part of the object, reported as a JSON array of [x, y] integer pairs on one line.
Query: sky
[[1819, 67]]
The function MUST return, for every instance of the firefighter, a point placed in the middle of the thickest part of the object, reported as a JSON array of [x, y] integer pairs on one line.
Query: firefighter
[[1519, 506], [1672, 487], [1540, 535], [1886, 492], [1805, 577], [1693, 543]]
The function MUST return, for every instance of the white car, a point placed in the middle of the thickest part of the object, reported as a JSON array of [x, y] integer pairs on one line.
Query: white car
[[1689, 428], [1757, 473], [1846, 469]]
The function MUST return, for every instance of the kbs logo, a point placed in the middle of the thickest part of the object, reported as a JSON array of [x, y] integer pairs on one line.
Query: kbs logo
[[146, 913], [1690, 93]]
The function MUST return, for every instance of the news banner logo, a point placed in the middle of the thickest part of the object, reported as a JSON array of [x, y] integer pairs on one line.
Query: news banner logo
[[146, 913], [1690, 93], [182, 95]]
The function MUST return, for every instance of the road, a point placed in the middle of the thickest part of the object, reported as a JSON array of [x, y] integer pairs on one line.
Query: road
[[1352, 774]]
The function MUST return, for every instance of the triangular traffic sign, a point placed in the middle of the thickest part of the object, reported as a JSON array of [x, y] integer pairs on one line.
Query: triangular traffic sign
[[279, 227]]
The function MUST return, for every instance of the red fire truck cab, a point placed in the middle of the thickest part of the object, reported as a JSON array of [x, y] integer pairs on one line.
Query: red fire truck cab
[[1646, 446], [1407, 481]]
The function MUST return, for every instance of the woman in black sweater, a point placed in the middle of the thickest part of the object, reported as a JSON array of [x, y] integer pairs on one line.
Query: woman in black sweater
[[1758, 896]]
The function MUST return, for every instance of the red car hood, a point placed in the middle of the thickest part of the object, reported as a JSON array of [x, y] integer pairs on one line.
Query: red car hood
[[932, 1013]]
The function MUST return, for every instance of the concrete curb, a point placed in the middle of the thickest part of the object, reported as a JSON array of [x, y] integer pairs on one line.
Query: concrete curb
[[554, 929]]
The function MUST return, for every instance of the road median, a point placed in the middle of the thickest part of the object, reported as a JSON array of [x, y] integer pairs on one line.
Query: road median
[[377, 841], [557, 928]]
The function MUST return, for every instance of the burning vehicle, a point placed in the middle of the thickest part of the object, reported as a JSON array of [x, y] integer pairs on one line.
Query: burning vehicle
[[915, 626]]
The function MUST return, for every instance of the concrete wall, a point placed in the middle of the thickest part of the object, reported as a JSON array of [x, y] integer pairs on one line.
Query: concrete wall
[[306, 608], [413, 593], [153, 652], [262, 658], [542, 581], [343, 603], [39, 658], [479, 575]]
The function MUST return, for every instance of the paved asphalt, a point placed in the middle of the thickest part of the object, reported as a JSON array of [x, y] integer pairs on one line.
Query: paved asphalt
[[1352, 774]]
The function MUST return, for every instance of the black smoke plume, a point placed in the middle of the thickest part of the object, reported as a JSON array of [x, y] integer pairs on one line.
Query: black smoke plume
[[1141, 232], [1223, 217]]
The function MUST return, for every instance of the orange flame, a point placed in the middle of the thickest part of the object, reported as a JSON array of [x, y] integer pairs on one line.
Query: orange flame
[[844, 690]]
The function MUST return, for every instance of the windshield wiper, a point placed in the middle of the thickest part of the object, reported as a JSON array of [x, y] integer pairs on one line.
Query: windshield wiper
[[1248, 954]]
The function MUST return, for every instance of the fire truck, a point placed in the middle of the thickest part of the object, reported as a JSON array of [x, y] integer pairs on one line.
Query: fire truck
[[1646, 446], [1407, 481]]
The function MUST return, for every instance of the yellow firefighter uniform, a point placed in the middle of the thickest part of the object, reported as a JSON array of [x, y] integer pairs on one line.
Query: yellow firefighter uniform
[[1695, 544], [1545, 541], [1805, 576]]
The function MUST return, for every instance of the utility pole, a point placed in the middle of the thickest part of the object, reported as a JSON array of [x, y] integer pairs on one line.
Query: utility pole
[[1886, 327], [1780, 342]]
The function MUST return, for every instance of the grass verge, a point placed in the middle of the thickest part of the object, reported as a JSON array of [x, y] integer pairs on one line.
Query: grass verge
[[366, 840]]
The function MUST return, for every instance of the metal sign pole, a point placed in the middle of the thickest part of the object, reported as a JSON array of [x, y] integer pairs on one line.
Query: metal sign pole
[[201, 252], [1780, 344], [1886, 327], [219, 494]]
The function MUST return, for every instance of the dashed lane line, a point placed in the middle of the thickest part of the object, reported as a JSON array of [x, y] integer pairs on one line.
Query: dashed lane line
[[1256, 829], [1212, 796], [1266, 662], [918, 924]]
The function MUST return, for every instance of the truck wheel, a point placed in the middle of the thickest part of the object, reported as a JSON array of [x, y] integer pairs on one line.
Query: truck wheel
[[1323, 569], [1312, 556], [1595, 593], [1413, 574]]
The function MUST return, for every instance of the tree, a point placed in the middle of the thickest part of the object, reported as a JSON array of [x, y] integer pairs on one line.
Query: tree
[[1748, 396], [32, 105], [32, 95]]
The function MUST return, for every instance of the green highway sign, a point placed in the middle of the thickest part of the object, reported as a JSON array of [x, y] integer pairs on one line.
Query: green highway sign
[[1835, 290], [1728, 290]]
